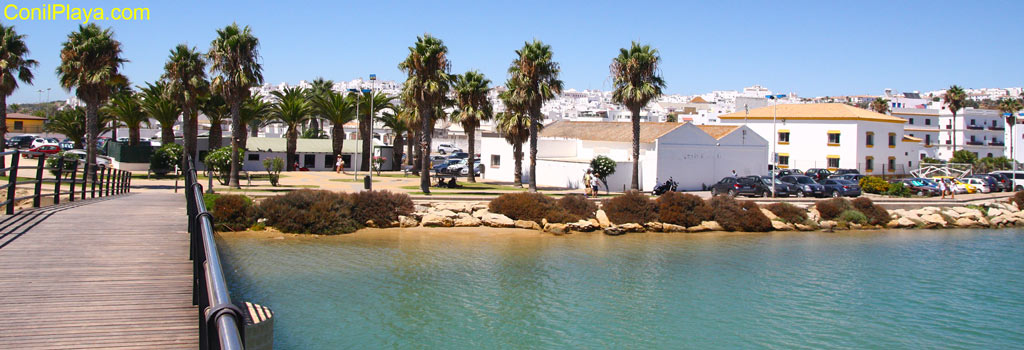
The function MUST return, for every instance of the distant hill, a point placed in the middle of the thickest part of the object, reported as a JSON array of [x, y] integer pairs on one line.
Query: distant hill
[[37, 109]]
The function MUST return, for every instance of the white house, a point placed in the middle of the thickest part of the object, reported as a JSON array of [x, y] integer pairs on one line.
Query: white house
[[692, 155], [313, 154], [833, 136]]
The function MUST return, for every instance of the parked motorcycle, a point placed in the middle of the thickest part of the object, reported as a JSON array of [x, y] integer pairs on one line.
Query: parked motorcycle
[[669, 185]]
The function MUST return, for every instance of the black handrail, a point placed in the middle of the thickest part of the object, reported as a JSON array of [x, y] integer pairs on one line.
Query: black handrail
[[106, 188], [220, 321]]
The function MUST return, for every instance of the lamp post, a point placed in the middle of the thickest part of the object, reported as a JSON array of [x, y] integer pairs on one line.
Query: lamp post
[[369, 177], [775, 135], [1013, 157], [354, 167]]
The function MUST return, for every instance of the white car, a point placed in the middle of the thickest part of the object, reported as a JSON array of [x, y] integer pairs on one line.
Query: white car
[[980, 184], [456, 166], [101, 160], [1016, 178], [39, 141], [446, 148]]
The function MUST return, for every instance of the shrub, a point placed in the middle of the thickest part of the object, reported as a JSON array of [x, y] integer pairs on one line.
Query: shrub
[[165, 158], [273, 167], [210, 200], [259, 226], [831, 208], [70, 162], [233, 212], [578, 205], [873, 184], [220, 162], [310, 211], [603, 167], [898, 190], [753, 220], [632, 206], [1019, 199], [381, 207], [683, 209], [736, 216], [788, 212], [530, 206], [853, 217], [875, 214]]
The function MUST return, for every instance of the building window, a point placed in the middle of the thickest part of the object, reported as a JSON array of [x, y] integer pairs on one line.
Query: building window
[[892, 140], [869, 164], [253, 156], [869, 139], [783, 160], [927, 140], [989, 155], [911, 121], [329, 161], [495, 161], [309, 161], [892, 164], [19, 125], [783, 137], [927, 121], [833, 162], [833, 138]]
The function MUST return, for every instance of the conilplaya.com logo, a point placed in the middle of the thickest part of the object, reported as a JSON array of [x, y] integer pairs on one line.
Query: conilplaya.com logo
[[67, 12]]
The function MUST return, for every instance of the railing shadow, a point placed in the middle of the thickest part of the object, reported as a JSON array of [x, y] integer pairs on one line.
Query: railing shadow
[[14, 226]]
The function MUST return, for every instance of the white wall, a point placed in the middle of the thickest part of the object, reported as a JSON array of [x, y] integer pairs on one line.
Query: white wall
[[693, 158]]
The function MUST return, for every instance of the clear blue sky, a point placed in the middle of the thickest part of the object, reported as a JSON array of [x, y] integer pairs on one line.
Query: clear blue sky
[[810, 47]]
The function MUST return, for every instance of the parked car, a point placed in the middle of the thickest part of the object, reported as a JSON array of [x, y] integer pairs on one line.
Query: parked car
[[735, 186], [805, 186], [782, 189], [435, 160], [845, 171], [787, 172], [455, 165], [851, 177], [101, 161], [459, 155], [818, 174], [980, 184], [446, 148], [958, 186], [47, 149], [1016, 178], [921, 186], [841, 188], [39, 141], [478, 169], [1004, 181], [21, 141], [442, 168], [66, 144], [993, 183]]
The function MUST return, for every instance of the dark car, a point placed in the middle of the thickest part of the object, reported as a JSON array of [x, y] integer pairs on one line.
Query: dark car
[[442, 167], [845, 171], [921, 187], [818, 174], [787, 172], [735, 186], [21, 141], [993, 183], [458, 155], [781, 188], [804, 186], [851, 177], [841, 188], [1004, 181]]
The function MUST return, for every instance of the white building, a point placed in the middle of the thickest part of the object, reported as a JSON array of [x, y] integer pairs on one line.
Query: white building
[[692, 155], [834, 136], [981, 131]]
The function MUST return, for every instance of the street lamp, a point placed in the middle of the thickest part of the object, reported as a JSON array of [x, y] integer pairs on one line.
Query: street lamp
[[1013, 157], [354, 167], [369, 177], [775, 136]]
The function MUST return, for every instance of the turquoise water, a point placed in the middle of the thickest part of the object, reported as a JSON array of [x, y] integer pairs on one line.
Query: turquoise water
[[951, 289]]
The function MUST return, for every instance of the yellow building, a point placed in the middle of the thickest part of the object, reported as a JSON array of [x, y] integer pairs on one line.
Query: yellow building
[[24, 124]]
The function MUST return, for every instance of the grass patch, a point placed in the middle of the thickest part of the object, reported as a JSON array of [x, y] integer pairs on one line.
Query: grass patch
[[353, 180]]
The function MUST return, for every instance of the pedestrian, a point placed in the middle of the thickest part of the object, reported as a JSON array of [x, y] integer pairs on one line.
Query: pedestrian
[[952, 188], [339, 164], [593, 185], [734, 173], [295, 166], [586, 183], [942, 187]]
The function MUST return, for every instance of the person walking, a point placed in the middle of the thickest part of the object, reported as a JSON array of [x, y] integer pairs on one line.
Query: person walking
[[593, 184], [339, 164], [734, 174], [587, 179], [943, 188], [952, 188]]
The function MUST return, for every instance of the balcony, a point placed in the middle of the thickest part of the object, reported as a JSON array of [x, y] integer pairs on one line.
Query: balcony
[[975, 143], [996, 143], [975, 127], [997, 128]]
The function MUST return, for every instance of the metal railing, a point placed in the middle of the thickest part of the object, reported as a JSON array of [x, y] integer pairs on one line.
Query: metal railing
[[104, 181], [220, 321]]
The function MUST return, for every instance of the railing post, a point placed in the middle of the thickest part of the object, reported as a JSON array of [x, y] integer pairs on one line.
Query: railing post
[[120, 182], [39, 181], [60, 176], [93, 177], [74, 173], [110, 173], [12, 181], [129, 184]]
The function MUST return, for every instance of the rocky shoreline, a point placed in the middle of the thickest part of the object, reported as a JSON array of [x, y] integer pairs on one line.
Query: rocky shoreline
[[474, 214]]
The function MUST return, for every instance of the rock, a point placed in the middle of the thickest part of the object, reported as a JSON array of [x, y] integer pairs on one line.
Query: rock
[[769, 214], [454, 207], [407, 221], [803, 227], [814, 215], [446, 213], [994, 212], [672, 228], [712, 225], [965, 222], [782, 226], [951, 214], [582, 226], [856, 226], [892, 223], [905, 222], [479, 206], [934, 220], [480, 213], [557, 229], [602, 218], [931, 209], [527, 224], [632, 227], [595, 222], [421, 208], [613, 231], [497, 220], [466, 220], [828, 224], [698, 228], [654, 226], [434, 220]]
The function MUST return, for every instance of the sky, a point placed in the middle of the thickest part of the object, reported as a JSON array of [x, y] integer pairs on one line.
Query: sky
[[812, 48]]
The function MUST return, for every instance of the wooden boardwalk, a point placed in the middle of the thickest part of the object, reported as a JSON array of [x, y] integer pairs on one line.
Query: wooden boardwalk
[[110, 273]]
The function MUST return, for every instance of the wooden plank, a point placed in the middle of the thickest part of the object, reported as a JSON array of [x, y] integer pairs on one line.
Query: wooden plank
[[110, 273]]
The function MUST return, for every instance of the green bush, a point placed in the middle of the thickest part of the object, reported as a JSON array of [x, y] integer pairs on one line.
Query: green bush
[[683, 209], [166, 158], [898, 190], [380, 207], [875, 214], [530, 206], [832, 208], [70, 162], [233, 212], [873, 184], [210, 200], [1019, 199], [603, 167], [578, 205], [852, 216], [310, 211], [274, 166], [220, 162], [788, 212], [631, 207], [736, 216]]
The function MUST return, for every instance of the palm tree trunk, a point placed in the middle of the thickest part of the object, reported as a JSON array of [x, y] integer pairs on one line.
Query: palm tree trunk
[[3, 132], [517, 155], [166, 134], [237, 132], [534, 119], [243, 135], [471, 134], [92, 129], [635, 183], [409, 151], [427, 115], [216, 136], [365, 131], [399, 147], [293, 137], [953, 137], [337, 138], [133, 135]]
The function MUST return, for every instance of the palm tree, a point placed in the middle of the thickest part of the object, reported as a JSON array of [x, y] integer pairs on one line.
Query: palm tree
[[955, 100], [396, 120], [90, 63], [254, 114], [185, 74], [637, 82], [14, 66], [234, 55], [127, 108], [880, 105], [1009, 107], [319, 87], [375, 102], [427, 84], [471, 91], [291, 108], [514, 126], [216, 111], [337, 109], [536, 77], [158, 106], [69, 122]]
